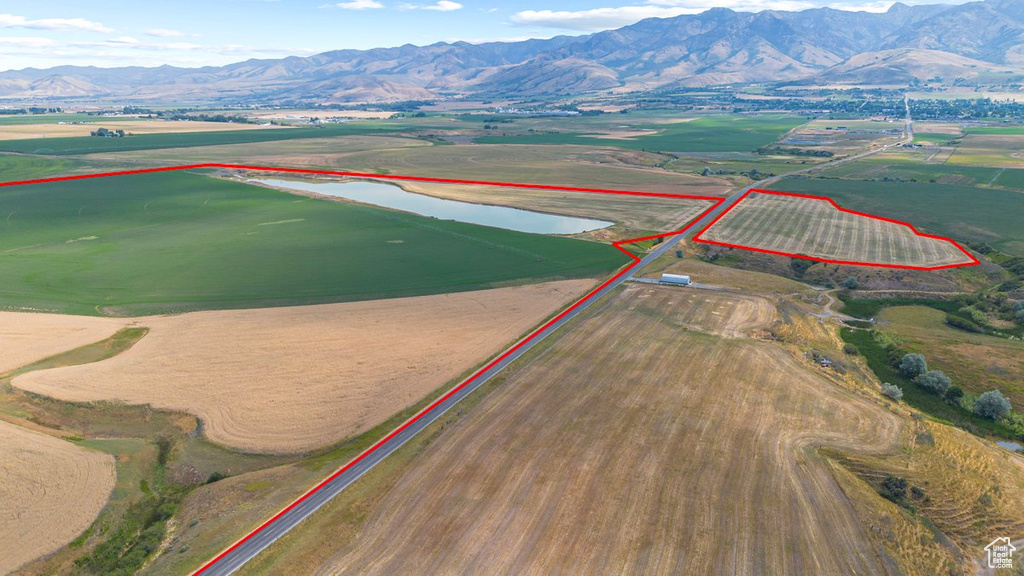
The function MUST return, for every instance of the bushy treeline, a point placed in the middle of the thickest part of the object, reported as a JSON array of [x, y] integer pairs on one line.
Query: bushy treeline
[[30, 110]]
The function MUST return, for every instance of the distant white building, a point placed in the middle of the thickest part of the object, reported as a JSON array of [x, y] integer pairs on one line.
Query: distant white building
[[675, 279]]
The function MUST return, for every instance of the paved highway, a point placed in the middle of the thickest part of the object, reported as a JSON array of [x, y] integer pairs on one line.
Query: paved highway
[[243, 551]]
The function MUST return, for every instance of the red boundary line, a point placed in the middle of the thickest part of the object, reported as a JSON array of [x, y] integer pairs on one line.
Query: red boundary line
[[697, 238], [635, 260]]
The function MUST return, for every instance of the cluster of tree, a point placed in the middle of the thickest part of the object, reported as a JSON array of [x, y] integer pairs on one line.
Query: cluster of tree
[[966, 109], [894, 489], [992, 404], [978, 309], [180, 115], [493, 119], [855, 103], [402, 106], [104, 133], [30, 110], [131, 109], [753, 173], [795, 152]]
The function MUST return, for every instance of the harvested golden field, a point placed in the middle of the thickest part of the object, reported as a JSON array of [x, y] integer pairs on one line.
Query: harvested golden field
[[23, 131], [294, 379], [815, 228], [638, 444], [51, 491], [28, 337]]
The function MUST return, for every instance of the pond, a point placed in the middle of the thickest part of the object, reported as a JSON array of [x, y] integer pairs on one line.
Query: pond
[[1014, 446], [390, 196]]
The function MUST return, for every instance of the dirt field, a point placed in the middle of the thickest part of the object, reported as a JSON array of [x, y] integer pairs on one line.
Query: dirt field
[[815, 228], [25, 338], [23, 131], [638, 444], [51, 491], [293, 379]]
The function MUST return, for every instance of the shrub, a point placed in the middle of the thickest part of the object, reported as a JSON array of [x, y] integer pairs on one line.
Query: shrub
[[977, 315], [850, 350], [887, 340], [934, 381], [954, 394], [913, 365], [851, 283], [799, 266], [894, 488], [1019, 316], [215, 477], [992, 405], [892, 391], [964, 324]]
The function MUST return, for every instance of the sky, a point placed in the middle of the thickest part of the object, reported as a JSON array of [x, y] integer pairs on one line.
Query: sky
[[110, 33]]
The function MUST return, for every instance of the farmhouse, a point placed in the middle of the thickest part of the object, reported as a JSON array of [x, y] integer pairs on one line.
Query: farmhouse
[[675, 279]]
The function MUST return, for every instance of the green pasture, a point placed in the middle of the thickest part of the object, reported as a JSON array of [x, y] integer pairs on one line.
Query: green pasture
[[720, 133], [18, 168], [180, 241]]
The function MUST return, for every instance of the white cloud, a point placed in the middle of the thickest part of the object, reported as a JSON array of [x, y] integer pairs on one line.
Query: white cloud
[[27, 42], [615, 17], [596, 18], [12, 21], [359, 5], [441, 6], [168, 33], [444, 6]]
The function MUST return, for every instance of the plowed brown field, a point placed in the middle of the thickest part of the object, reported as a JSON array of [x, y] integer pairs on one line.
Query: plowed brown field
[[51, 490], [639, 443], [293, 379]]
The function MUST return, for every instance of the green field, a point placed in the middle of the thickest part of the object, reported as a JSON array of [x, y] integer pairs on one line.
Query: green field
[[997, 130], [963, 213], [15, 119], [18, 168], [183, 241], [935, 137], [723, 133], [900, 168], [90, 145]]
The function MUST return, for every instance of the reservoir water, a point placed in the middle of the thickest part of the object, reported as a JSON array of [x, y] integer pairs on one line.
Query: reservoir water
[[390, 196]]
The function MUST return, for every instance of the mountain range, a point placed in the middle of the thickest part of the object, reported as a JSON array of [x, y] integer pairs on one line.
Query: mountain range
[[979, 43]]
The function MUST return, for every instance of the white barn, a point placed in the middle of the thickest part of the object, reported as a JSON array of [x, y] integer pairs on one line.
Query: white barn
[[675, 279]]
